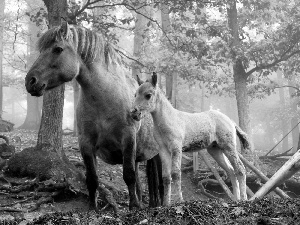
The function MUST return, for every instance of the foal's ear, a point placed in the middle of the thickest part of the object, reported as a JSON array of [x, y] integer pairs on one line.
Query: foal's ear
[[140, 82], [64, 29], [154, 79]]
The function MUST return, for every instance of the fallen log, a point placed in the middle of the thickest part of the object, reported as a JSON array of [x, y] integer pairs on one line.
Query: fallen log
[[264, 178], [284, 173], [217, 176]]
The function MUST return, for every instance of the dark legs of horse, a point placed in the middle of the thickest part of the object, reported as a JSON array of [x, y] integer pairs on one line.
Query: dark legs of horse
[[155, 181], [91, 175], [129, 174]]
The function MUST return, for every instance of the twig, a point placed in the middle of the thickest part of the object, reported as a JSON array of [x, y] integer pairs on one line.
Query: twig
[[16, 202], [203, 191]]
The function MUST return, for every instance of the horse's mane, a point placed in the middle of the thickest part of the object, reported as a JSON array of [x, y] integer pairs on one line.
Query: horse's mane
[[88, 44]]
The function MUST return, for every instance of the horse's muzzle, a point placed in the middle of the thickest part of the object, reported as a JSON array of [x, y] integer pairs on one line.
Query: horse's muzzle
[[136, 114], [33, 86]]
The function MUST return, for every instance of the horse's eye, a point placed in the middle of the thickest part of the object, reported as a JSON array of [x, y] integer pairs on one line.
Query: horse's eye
[[148, 96], [57, 50]]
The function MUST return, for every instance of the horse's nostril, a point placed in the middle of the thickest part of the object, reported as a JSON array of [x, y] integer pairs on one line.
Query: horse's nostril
[[33, 81]]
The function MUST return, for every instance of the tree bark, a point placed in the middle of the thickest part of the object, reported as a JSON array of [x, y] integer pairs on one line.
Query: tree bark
[[2, 6], [51, 123], [239, 73]]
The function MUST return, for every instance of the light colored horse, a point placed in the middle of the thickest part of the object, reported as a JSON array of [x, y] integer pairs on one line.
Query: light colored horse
[[177, 131]]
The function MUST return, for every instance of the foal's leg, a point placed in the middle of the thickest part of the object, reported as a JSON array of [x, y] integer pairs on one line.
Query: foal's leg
[[176, 173], [239, 168], [138, 182], [165, 157], [224, 163]]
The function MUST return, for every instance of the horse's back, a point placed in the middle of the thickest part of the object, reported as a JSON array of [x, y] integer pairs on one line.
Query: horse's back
[[205, 128]]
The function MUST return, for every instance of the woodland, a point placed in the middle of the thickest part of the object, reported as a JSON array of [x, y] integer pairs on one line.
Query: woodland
[[238, 57]]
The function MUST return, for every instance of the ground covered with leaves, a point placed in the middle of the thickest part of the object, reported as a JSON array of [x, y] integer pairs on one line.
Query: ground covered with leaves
[[31, 207], [264, 211]]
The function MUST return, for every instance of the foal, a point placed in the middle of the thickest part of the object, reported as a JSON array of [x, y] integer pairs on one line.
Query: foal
[[177, 131]]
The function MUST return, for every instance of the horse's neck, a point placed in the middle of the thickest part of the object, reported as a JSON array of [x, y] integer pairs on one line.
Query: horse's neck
[[164, 111], [109, 87]]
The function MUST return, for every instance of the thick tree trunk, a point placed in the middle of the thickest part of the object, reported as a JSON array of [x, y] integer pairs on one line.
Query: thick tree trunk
[[2, 6], [33, 115], [284, 127], [51, 123], [239, 73]]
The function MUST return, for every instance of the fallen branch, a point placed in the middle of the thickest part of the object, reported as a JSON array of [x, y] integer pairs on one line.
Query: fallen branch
[[285, 172], [203, 190], [264, 178], [217, 176], [278, 155]]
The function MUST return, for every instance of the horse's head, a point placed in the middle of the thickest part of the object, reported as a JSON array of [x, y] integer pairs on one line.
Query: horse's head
[[57, 63], [145, 98]]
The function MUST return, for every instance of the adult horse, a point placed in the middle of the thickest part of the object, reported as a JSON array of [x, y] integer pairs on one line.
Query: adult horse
[[178, 131], [105, 126]]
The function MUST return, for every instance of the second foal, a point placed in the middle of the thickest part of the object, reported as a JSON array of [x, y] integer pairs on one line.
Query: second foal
[[177, 131]]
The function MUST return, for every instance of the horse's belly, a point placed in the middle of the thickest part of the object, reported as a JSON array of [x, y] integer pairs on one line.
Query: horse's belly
[[110, 155], [196, 142]]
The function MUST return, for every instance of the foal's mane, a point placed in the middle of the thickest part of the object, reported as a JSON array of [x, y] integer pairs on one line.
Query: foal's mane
[[87, 43]]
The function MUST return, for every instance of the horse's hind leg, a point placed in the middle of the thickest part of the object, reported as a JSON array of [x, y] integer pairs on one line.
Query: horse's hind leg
[[90, 162], [224, 163], [176, 173], [239, 168]]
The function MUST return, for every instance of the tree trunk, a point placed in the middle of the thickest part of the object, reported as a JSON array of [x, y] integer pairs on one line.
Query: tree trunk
[[284, 127], [166, 27], [76, 98], [239, 73], [294, 120], [51, 123], [141, 25], [2, 6], [33, 114], [47, 159]]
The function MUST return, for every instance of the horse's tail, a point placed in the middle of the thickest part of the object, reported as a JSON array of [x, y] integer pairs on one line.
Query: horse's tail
[[243, 138], [155, 184]]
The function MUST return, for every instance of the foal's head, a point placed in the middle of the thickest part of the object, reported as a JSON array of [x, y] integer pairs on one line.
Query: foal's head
[[145, 98]]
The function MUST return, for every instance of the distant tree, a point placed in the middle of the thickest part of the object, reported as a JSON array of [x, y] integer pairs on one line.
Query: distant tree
[[34, 105], [2, 6]]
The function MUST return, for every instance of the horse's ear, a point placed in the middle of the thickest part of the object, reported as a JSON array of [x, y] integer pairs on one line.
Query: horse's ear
[[140, 82], [64, 29], [154, 79]]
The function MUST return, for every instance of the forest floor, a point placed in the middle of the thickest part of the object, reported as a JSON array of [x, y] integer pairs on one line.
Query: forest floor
[[69, 208]]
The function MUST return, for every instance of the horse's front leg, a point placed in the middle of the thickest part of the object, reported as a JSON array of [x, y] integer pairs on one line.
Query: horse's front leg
[[165, 157], [129, 175], [90, 163], [176, 172]]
